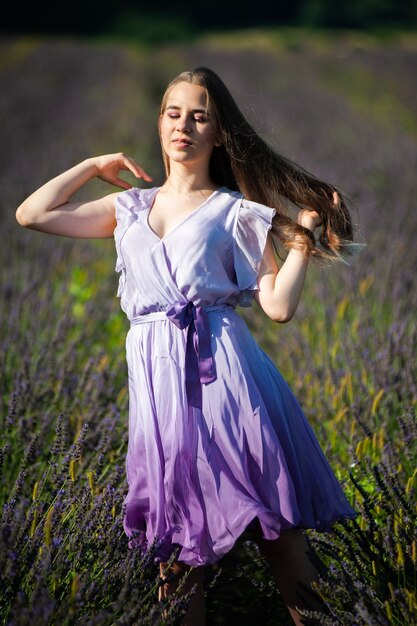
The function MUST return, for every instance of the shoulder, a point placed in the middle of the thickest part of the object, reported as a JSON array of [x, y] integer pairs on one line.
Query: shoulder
[[245, 213], [130, 202], [257, 207], [227, 198], [239, 199], [134, 198], [250, 214]]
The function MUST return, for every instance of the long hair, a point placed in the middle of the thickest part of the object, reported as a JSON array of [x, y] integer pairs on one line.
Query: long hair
[[245, 162]]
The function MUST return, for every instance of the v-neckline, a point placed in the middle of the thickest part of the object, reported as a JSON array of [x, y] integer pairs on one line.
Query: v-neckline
[[152, 202]]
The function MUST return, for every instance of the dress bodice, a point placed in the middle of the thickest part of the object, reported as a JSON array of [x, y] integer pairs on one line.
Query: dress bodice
[[211, 257]]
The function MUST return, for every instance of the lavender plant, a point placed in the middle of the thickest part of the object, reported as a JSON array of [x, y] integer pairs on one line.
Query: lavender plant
[[345, 108]]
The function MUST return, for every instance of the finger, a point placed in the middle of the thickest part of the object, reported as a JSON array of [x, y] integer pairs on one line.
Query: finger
[[145, 175], [137, 170], [336, 198], [122, 183]]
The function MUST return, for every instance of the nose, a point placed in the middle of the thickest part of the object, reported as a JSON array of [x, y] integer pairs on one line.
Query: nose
[[182, 124]]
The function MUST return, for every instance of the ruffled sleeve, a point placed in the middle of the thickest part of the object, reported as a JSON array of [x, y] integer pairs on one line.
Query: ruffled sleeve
[[252, 223], [126, 205]]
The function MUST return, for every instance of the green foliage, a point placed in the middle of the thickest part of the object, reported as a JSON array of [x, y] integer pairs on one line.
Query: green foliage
[[348, 354], [147, 29]]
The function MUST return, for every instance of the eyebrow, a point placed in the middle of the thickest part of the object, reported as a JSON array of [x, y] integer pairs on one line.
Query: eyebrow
[[177, 108]]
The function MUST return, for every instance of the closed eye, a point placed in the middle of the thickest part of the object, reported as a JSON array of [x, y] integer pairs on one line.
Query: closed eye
[[202, 119]]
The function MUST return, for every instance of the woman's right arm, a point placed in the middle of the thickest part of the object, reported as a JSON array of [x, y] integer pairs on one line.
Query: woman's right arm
[[50, 210]]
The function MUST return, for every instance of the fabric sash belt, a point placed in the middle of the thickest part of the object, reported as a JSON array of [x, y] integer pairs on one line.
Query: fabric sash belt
[[200, 366]]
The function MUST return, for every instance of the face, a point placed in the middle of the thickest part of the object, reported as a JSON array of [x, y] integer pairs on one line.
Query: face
[[187, 128]]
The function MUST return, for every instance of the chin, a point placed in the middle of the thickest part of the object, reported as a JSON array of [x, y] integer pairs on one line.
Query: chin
[[181, 158]]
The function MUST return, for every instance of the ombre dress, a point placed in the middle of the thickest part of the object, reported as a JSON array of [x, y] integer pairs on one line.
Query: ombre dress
[[216, 436]]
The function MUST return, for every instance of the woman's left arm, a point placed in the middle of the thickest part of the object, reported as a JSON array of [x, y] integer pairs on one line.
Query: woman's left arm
[[280, 288]]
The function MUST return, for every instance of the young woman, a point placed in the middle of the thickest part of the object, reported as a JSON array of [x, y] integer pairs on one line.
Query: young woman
[[217, 442]]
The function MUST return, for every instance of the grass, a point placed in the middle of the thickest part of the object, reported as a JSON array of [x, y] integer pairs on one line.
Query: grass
[[348, 354]]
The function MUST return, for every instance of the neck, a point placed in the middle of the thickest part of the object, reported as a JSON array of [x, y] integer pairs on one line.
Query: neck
[[182, 180]]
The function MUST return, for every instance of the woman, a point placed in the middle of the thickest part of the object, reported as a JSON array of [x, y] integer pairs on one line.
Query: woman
[[217, 442]]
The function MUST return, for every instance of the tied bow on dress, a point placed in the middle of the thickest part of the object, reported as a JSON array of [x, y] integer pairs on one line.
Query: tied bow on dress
[[199, 361]]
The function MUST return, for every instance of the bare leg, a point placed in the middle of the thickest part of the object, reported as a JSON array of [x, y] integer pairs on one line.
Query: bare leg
[[196, 614], [292, 569]]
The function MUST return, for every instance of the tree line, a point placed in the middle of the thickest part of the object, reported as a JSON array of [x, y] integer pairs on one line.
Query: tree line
[[94, 17]]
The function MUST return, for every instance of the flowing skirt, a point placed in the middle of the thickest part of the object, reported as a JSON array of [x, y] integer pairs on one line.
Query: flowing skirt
[[197, 478]]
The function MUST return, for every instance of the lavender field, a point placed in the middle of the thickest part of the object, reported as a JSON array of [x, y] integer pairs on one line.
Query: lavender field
[[343, 106]]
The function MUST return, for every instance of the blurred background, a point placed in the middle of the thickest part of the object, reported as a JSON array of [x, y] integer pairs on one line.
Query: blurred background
[[181, 18], [333, 87]]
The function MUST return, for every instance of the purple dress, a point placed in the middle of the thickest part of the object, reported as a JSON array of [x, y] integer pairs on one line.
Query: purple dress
[[216, 436]]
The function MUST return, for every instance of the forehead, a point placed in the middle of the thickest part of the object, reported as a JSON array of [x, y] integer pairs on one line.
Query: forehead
[[187, 95]]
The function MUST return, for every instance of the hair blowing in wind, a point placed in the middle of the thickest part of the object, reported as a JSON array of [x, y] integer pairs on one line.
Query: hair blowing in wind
[[245, 162]]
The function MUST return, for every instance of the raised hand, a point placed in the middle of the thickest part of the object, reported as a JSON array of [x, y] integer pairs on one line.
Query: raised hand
[[108, 167], [309, 219]]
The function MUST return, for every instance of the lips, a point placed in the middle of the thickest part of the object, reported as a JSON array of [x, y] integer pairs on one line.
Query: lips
[[182, 141]]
